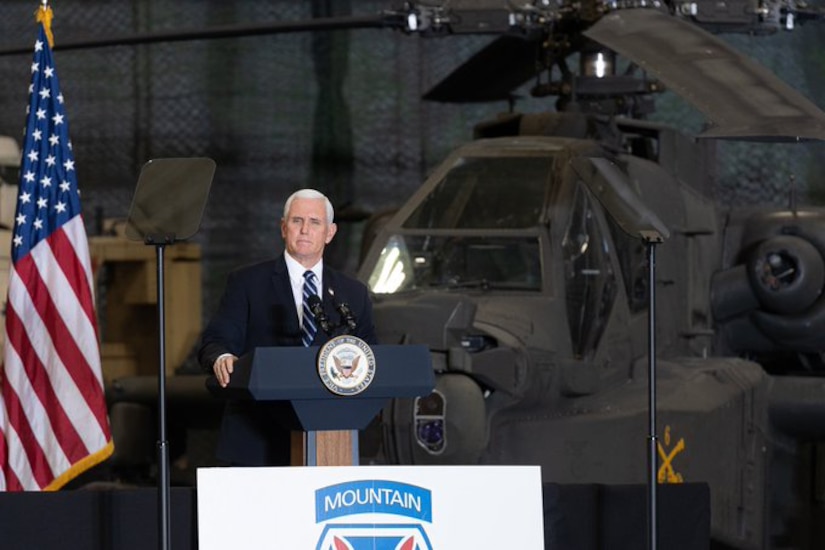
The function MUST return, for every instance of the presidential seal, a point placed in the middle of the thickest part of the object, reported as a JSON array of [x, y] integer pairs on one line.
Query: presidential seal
[[346, 365]]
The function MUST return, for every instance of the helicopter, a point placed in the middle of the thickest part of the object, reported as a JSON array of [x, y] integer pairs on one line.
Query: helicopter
[[519, 264], [514, 264]]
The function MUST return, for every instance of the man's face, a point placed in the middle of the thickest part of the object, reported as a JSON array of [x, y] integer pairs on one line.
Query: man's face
[[305, 230]]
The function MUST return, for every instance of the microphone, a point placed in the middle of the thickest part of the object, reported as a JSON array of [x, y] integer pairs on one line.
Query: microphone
[[317, 309], [344, 311], [346, 315]]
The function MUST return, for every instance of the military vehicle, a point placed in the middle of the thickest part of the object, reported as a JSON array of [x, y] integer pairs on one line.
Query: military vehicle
[[534, 301], [519, 264], [523, 262]]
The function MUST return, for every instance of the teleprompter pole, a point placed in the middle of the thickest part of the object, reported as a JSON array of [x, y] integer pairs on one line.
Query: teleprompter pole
[[651, 239]]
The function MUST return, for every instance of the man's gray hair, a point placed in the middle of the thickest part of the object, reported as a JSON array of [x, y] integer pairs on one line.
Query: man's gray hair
[[310, 194]]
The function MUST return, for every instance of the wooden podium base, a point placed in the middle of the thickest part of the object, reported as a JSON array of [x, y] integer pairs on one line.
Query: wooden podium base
[[325, 448]]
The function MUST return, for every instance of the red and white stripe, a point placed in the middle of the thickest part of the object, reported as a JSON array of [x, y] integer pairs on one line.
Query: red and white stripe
[[53, 419]]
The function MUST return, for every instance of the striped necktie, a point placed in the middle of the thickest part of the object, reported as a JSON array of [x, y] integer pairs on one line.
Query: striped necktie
[[308, 328]]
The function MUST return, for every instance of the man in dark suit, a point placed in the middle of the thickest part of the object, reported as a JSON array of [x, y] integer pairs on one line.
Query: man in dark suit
[[262, 306]]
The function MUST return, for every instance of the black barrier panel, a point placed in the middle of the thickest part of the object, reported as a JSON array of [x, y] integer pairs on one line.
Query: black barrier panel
[[121, 519], [614, 517], [576, 517]]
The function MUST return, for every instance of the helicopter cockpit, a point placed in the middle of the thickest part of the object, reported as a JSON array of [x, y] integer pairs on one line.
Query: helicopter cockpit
[[471, 231]]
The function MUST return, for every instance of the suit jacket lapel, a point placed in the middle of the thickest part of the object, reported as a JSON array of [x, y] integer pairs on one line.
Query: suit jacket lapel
[[326, 297], [330, 298], [283, 294]]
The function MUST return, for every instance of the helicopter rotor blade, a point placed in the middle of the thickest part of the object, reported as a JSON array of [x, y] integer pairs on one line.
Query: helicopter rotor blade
[[742, 99], [490, 74], [230, 31]]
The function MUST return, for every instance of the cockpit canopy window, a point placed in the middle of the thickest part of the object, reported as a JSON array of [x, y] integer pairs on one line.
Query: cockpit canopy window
[[491, 193], [590, 283], [489, 263]]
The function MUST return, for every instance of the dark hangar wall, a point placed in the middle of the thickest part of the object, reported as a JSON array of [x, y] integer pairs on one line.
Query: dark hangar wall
[[340, 112]]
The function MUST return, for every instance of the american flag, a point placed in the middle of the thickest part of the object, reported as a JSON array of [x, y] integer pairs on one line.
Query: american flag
[[53, 421]]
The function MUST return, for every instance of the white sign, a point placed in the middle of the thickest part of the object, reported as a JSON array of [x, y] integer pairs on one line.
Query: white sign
[[370, 507]]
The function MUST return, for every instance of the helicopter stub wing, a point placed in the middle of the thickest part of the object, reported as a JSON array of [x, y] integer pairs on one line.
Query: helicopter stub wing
[[742, 99]]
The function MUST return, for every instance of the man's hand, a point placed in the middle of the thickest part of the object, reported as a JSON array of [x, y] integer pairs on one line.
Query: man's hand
[[223, 367]]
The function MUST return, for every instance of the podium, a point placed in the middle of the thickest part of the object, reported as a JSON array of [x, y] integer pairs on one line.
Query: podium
[[325, 424]]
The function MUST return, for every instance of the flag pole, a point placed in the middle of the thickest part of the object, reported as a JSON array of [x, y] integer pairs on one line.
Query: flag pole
[[45, 16]]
